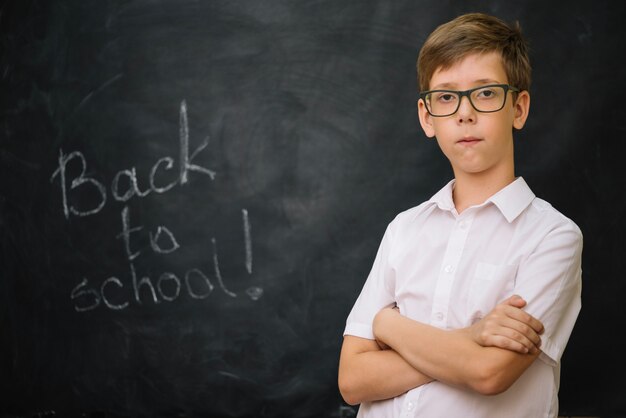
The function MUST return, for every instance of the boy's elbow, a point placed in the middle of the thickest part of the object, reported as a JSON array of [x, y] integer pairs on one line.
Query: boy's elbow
[[492, 386], [490, 381], [499, 370], [350, 399], [349, 390]]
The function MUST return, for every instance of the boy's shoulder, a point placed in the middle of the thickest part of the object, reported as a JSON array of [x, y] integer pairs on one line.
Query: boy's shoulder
[[412, 213], [542, 212], [442, 199], [410, 218]]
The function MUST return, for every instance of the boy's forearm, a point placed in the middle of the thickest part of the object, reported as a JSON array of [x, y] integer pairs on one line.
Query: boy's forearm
[[374, 374], [451, 357], [428, 349]]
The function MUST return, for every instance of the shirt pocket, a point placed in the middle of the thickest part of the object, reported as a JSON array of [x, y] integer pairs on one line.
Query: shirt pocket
[[490, 285]]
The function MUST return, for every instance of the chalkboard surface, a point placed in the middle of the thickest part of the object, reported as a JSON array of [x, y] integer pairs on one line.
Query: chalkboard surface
[[192, 194]]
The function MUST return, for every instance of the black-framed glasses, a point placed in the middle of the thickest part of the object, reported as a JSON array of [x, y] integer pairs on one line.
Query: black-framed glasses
[[485, 99]]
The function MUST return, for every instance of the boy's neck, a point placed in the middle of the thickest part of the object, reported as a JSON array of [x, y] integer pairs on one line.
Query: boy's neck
[[474, 189]]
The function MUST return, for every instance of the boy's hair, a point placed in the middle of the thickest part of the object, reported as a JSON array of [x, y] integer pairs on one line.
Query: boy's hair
[[475, 33]]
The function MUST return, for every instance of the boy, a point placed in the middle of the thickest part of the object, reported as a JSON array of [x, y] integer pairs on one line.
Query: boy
[[439, 329]]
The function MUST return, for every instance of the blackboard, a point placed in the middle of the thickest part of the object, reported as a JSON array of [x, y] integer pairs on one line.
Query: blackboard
[[192, 193]]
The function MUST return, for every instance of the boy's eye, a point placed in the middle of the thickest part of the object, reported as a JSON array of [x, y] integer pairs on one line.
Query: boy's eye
[[445, 97], [487, 93]]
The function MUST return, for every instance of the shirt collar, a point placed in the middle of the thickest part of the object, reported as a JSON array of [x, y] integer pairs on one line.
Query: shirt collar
[[511, 200], [443, 198]]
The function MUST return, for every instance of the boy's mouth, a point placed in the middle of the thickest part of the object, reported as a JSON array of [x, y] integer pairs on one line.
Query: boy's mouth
[[470, 140]]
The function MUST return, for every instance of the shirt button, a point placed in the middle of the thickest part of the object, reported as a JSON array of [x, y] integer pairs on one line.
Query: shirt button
[[438, 316], [448, 268], [410, 406], [462, 224]]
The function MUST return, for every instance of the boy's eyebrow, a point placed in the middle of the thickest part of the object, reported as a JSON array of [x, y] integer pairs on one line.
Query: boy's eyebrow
[[451, 86]]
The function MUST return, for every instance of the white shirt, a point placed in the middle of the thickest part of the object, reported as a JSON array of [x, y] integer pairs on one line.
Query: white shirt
[[449, 270]]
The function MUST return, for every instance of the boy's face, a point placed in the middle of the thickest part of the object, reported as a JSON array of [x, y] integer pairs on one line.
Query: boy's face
[[475, 142]]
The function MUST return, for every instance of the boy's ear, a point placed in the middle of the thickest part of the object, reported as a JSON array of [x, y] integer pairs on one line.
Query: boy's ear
[[521, 109], [425, 119]]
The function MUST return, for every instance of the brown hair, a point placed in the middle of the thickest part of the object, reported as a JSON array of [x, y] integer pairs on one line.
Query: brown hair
[[475, 33]]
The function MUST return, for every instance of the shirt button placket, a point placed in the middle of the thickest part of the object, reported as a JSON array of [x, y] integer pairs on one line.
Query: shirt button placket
[[409, 409], [452, 256]]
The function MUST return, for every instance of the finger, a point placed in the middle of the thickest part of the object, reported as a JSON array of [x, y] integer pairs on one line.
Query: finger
[[532, 344], [511, 329], [511, 339], [524, 317], [521, 332], [504, 342]]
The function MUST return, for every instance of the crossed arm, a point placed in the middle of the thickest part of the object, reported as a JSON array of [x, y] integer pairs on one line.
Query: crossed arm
[[487, 357]]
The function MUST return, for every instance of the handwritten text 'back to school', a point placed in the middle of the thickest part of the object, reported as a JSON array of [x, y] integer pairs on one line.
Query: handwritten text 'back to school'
[[168, 287]]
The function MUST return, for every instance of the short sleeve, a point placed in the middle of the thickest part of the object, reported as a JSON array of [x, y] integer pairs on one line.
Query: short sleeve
[[377, 292], [550, 280]]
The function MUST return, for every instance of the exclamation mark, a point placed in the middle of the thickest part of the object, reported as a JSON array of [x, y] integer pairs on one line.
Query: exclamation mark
[[248, 239], [253, 292]]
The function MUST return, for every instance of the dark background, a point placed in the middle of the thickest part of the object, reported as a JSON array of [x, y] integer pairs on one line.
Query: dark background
[[309, 112]]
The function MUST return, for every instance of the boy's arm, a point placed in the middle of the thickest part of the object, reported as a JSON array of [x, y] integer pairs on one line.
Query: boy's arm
[[452, 357], [367, 373]]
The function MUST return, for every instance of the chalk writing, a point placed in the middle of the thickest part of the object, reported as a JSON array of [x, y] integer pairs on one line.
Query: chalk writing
[[154, 238], [186, 165], [253, 292], [248, 240], [77, 182], [110, 305], [114, 292]]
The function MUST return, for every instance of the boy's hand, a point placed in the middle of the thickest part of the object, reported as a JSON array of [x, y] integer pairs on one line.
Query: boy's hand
[[507, 326]]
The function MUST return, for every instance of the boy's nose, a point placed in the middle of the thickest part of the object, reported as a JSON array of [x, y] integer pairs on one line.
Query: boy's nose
[[466, 112]]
